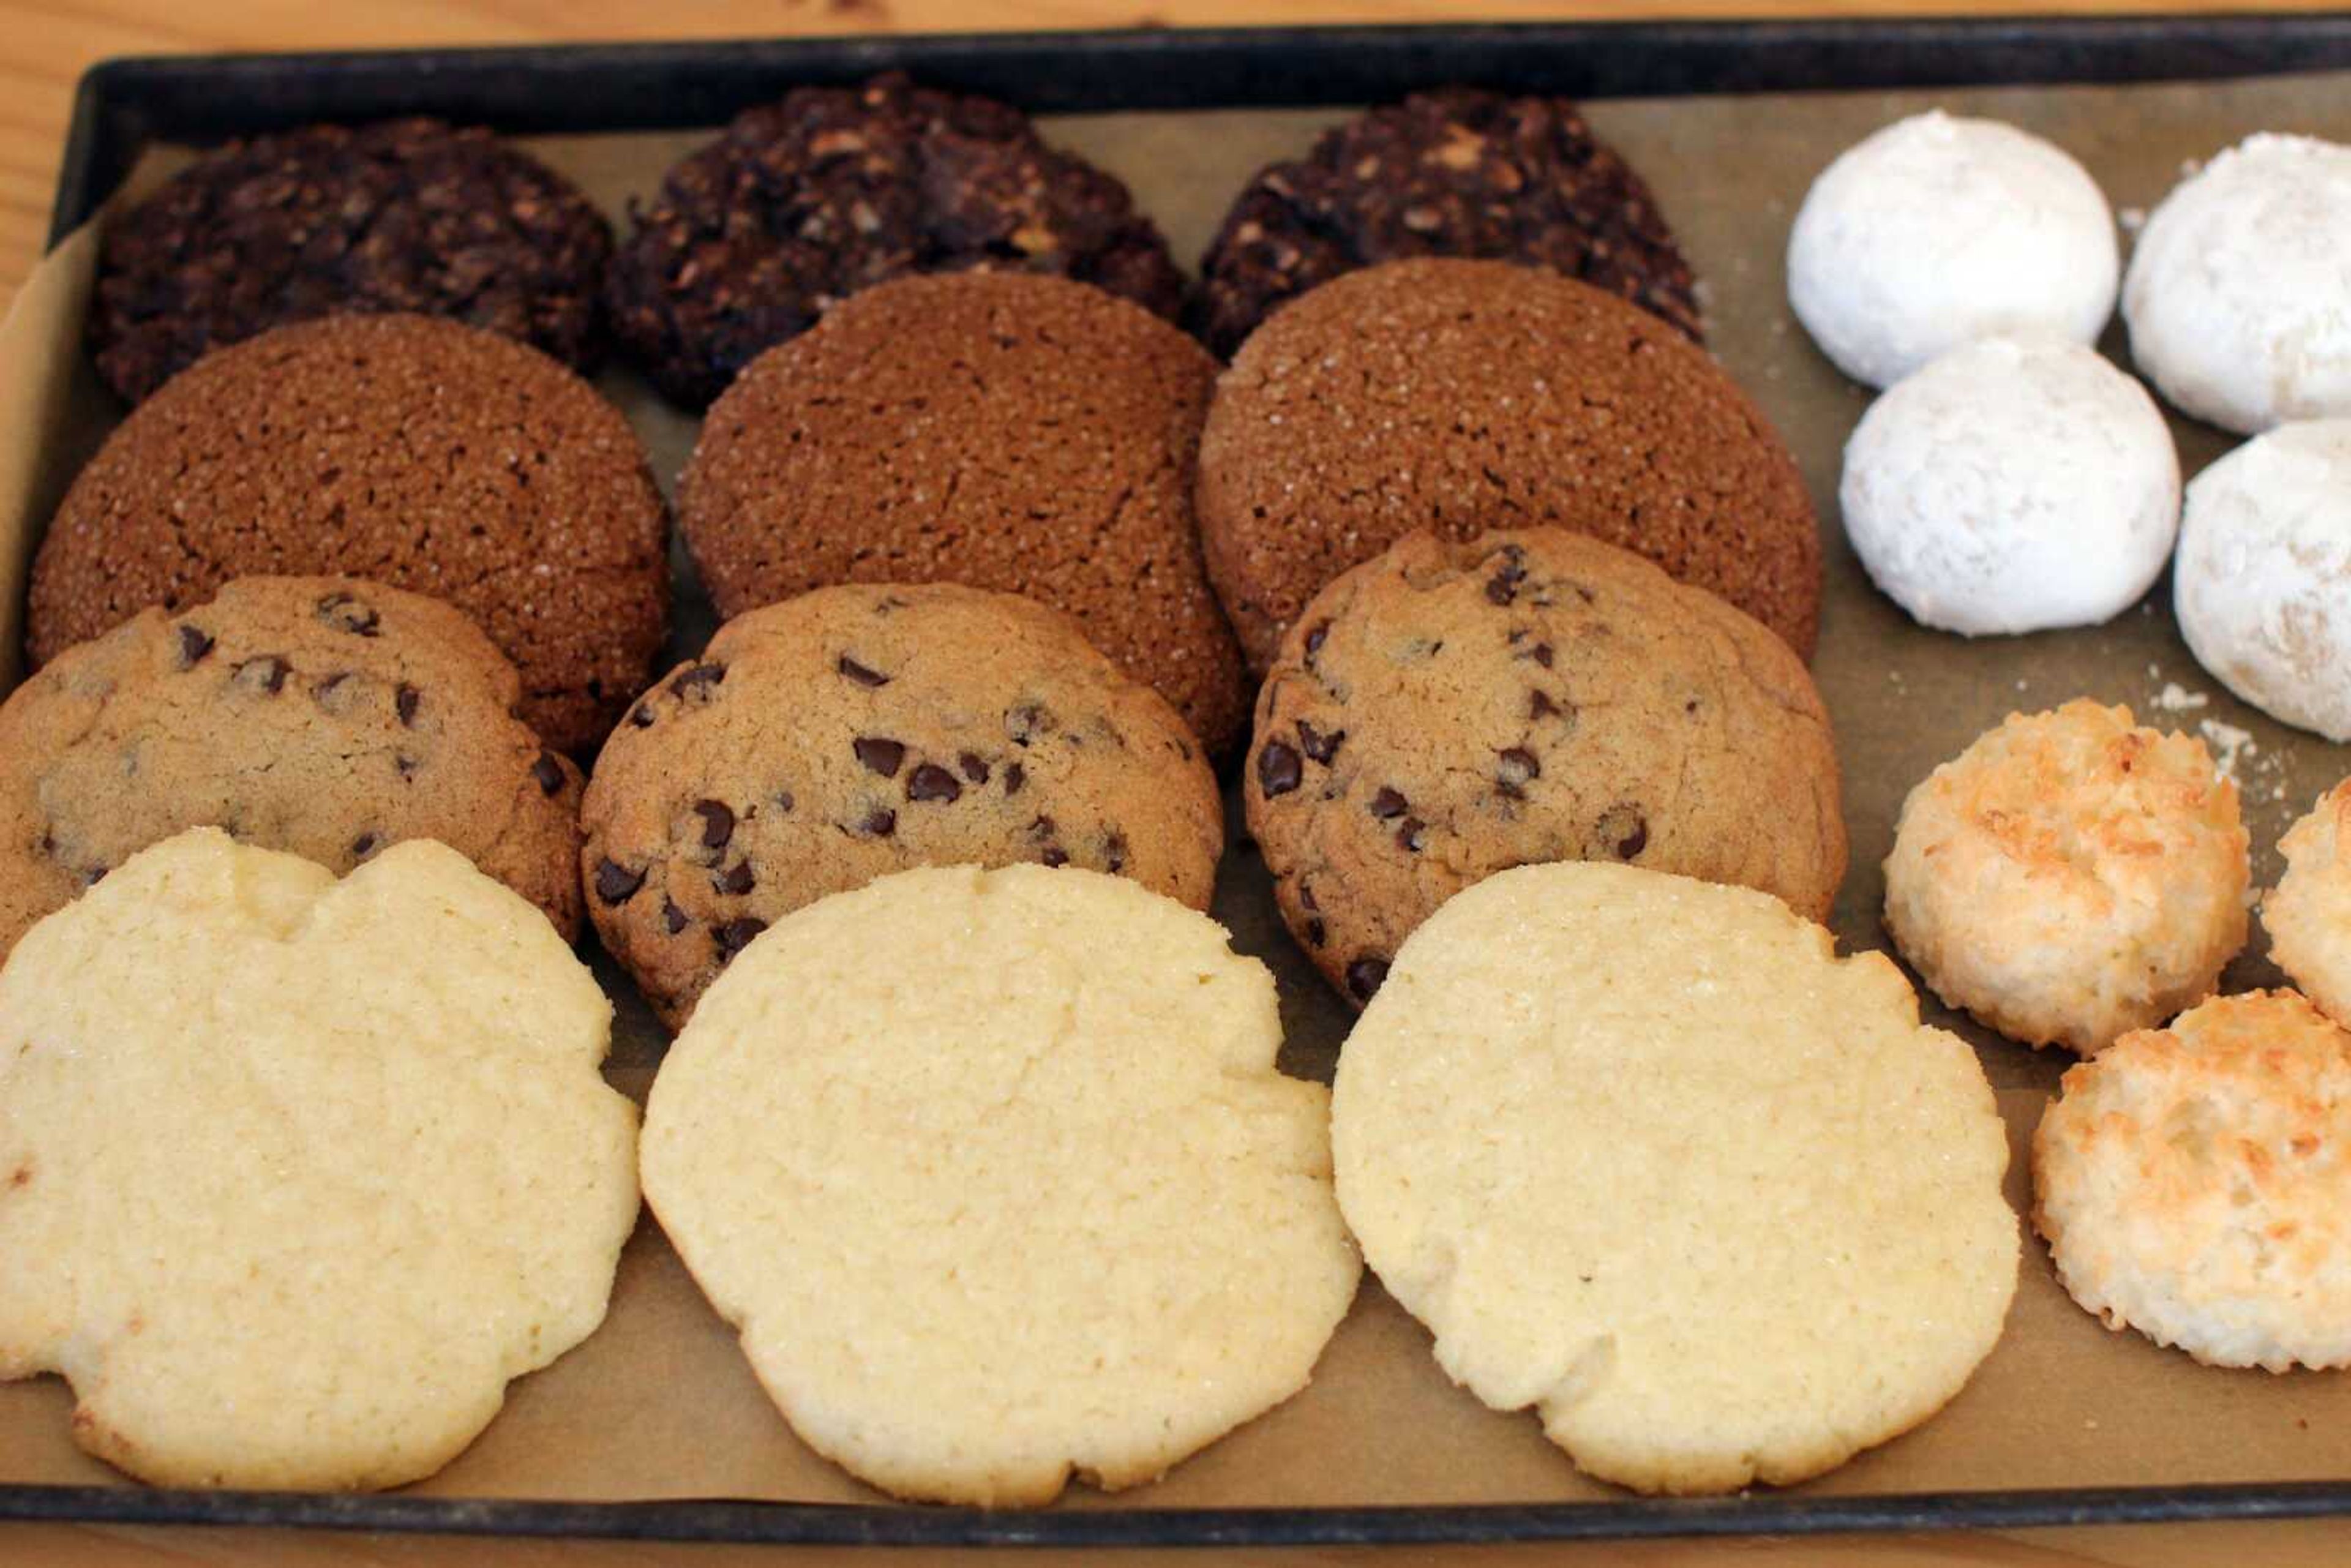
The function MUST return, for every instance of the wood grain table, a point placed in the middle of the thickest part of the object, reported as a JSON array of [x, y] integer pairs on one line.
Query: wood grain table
[[45, 44]]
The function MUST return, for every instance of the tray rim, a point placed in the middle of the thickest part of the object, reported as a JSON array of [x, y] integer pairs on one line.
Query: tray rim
[[119, 104]]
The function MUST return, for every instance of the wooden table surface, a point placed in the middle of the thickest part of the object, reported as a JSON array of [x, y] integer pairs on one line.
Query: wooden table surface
[[50, 42]]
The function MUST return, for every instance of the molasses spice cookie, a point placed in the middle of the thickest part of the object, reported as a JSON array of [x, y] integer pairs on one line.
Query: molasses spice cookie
[[326, 717], [1445, 712], [1452, 172], [1458, 395], [856, 731], [404, 214], [802, 202], [1028, 434], [405, 449]]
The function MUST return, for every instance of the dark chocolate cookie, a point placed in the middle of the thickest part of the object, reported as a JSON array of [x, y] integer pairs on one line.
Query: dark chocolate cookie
[[800, 204], [1460, 396], [1446, 711], [407, 449], [1452, 172], [322, 716], [403, 215], [853, 732], [1016, 433]]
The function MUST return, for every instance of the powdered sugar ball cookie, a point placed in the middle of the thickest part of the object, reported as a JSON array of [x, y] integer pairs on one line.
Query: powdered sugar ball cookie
[[296, 1174], [2262, 582], [2070, 876], [1937, 231], [2013, 485], [2238, 295], [994, 1174], [1529, 1132], [2308, 913], [2194, 1184]]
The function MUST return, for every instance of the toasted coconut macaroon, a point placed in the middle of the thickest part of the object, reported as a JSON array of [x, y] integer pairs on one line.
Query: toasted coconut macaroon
[[2194, 1184], [2308, 913], [2071, 877]]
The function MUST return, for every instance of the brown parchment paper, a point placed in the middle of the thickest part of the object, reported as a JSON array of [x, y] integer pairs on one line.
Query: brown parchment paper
[[659, 1404]]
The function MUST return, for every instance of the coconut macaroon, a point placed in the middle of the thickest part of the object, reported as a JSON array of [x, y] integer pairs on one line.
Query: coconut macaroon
[[1528, 1129], [994, 1174], [2071, 877], [2194, 1184], [2308, 913]]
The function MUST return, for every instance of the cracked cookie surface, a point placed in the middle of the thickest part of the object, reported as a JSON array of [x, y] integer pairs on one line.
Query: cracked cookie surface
[[405, 449], [1461, 396], [1445, 712], [325, 716], [1026, 435], [860, 730]]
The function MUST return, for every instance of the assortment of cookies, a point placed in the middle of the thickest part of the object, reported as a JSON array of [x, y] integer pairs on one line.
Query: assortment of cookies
[[1426, 517]]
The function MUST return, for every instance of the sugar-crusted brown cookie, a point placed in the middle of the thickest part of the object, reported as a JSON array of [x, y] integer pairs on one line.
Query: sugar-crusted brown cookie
[[321, 716], [1458, 172], [802, 202], [1468, 395], [1448, 711], [1022, 434], [402, 214], [857, 731], [401, 448]]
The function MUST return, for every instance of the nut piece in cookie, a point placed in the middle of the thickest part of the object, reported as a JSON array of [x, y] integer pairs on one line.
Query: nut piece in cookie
[[326, 717], [1530, 1129], [2308, 913], [1452, 395], [1022, 1128], [402, 214], [406, 449], [2071, 877], [2193, 1185], [1026, 435], [1446, 711], [801, 204], [856, 731], [295, 1175], [1456, 171]]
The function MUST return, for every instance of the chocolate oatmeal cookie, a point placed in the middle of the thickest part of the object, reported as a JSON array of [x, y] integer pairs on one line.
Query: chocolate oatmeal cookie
[[322, 716], [404, 449], [802, 202], [1452, 172], [856, 731], [1448, 711], [1021, 433], [403, 215], [1461, 396]]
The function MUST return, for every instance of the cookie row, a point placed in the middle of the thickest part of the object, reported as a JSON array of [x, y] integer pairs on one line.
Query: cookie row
[[802, 202]]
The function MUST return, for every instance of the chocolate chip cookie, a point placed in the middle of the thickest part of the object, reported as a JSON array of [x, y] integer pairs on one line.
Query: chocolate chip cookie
[[1451, 172], [802, 202], [406, 449], [1466, 395], [856, 731], [1448, 711], [322, 716], [403, 215], [1021, 433]]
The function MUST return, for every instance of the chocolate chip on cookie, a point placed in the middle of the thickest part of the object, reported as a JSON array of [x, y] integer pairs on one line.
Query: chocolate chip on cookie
[[1696, 745], [1454, 173], [1452, 395], [398, 215], [412, 450], [997, 736], [293, 713], [1021, 433], [801, 204]]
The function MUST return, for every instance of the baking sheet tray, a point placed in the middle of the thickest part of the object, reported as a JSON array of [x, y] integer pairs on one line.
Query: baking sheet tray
[[645, 1428]]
